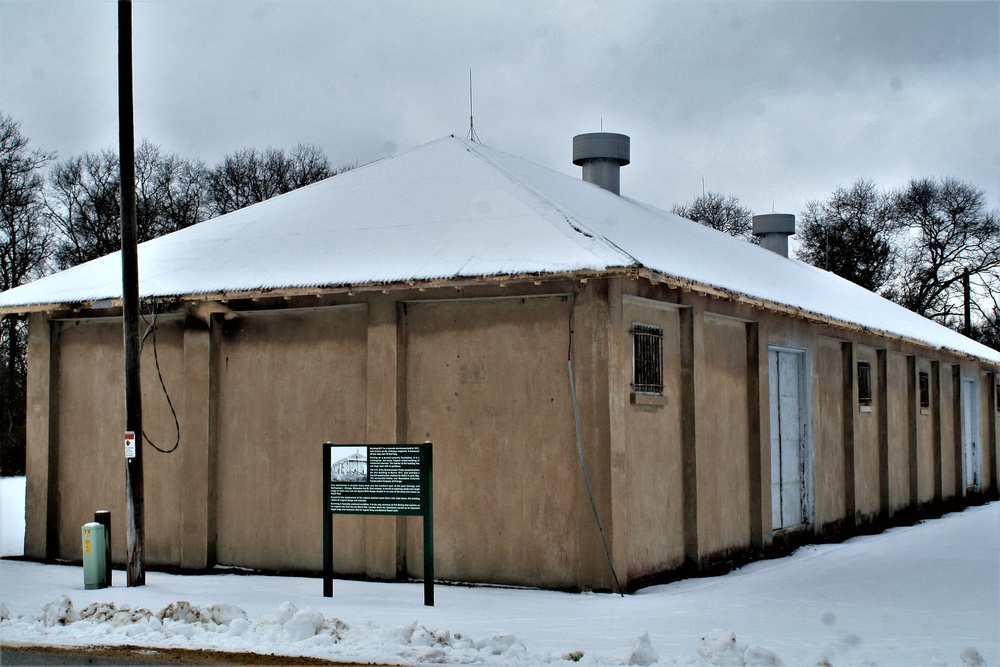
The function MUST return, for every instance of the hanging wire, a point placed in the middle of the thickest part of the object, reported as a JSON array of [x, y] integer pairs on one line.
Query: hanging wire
[[151, 332], [579, 445]]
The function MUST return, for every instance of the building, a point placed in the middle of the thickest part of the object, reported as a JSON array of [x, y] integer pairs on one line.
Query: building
[[574, 355], [351, 468]]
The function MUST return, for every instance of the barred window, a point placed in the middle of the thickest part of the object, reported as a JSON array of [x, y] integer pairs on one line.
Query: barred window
[[925, 390], [864, 383], [647, 359]]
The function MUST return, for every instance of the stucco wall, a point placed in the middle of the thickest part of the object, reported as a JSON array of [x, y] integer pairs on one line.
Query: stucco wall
[[993, 430], [654, 475], [722, 449], [925, 435], [989, 410], [866, 443], [90, 444], [828, 418], [287, 382], [487, 382], [900, 416], [951, 431], [481, 372]]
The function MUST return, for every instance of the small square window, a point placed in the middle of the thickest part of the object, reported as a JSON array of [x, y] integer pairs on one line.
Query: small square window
[[864, 383], [647, 359], [925, 390]]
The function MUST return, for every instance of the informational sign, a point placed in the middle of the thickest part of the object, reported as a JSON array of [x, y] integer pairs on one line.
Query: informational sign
[[394, 480], [129, 445], [383, 479]]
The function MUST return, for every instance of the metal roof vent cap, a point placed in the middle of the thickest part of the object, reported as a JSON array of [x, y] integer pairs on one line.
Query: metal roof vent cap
[[602, 155], [774, 230]]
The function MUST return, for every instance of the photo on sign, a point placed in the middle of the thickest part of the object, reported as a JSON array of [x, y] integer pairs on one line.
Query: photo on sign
[[349, 464]]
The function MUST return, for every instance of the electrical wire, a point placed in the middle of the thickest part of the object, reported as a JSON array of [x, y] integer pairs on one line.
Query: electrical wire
[[151, 331], [579, 446]]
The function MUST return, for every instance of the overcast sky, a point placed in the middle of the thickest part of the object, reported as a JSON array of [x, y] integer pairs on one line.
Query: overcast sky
[[774, 102]]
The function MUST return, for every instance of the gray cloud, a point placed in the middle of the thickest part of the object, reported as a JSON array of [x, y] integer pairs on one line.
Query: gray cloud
[[772, 101]]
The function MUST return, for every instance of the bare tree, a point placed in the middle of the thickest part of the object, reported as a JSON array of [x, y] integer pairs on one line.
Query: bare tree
[[171, 192], [851, 234], [308, 164], [987, 329], [24, 238], [951, 232], [249, 176], [83, 196], [24, 251], [82, 203], [717, 211]]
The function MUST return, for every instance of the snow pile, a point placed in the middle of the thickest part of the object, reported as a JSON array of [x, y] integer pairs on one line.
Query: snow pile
[[227, 627], [643, 652], [291, 631], [306, 631], [921, 595], [58, 612], [720, 647]]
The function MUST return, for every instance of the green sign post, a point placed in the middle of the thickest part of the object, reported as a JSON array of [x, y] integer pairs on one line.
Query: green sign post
[[393, 480]]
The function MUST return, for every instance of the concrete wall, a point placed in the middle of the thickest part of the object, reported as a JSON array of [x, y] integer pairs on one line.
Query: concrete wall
[[287, 382], [829, 417], [653, 495], [866, 442], [487, 381], [989, 410], [951, 431], [723, 480], [678, 481], [899, 451], [927, 457], [993, 426], [89, 440]]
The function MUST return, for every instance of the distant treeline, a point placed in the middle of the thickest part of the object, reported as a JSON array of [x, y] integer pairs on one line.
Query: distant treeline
[[932, 246], [60, 213]]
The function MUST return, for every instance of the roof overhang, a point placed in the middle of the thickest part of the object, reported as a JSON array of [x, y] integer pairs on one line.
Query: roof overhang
[[88, 308]]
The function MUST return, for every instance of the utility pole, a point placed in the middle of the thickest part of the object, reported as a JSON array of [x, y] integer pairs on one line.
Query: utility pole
[[134, 504], [967, 299]]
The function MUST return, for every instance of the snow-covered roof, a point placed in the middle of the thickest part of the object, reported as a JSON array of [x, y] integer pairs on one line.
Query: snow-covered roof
[[454, 209]]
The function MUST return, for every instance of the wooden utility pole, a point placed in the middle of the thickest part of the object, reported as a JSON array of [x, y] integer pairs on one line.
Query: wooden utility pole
[[134, 505], [967, 302]]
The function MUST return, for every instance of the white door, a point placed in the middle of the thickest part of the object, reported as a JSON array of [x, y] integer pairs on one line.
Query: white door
[[788, 454], [970, 433]]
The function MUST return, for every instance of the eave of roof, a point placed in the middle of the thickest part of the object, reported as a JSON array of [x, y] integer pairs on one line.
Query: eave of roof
[[454, 212]]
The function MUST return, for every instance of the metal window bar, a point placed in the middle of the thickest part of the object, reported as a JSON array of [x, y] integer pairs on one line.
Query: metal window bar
[[647, 359], [925, 390], [864, 383]]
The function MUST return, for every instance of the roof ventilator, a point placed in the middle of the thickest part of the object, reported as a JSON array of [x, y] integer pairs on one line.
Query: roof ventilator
[[774, 230], [602, 155]]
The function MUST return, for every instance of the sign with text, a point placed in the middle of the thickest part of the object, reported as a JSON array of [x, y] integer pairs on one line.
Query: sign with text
[[129, 444], [393, 480], [383, 479]]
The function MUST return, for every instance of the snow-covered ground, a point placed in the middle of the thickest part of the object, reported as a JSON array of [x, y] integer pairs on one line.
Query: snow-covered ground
[[922, 595]]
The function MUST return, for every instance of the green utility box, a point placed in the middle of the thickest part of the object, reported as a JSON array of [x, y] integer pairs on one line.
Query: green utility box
[[94, 556]]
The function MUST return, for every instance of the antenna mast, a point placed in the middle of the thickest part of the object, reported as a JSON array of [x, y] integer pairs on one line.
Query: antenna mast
[[472, 128]]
